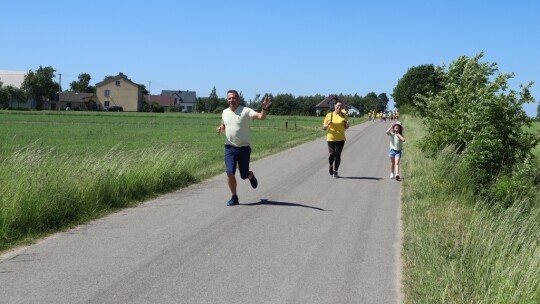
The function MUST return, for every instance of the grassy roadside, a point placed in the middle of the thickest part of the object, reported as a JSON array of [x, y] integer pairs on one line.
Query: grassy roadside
[[458, 250], [59, 169]]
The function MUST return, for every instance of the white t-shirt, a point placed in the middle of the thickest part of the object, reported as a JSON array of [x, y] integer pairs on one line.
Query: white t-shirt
[[237, 126]]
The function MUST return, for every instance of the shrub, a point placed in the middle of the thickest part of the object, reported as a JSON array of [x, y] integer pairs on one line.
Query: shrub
[[475, 113]]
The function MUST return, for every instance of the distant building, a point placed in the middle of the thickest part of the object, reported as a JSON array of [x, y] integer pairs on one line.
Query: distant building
[[120, 91], [16, 79], [12, 78], [328, 104], [353, 111], [170, 98], [76, 101]]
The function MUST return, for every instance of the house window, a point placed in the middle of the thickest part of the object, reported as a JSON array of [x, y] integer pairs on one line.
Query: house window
[[117, 83], [107, 103], [107, 93]]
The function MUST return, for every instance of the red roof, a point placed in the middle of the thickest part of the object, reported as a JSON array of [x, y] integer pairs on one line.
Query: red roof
[[324, 104], [164, 101]]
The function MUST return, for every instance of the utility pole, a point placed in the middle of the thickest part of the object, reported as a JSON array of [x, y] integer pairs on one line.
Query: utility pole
[[149, 102], [60, 89]]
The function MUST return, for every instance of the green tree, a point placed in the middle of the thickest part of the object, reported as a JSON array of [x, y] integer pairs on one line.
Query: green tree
[[283, 104], [241, 99], [83, 84], [40, 85], [474, 114], [306, 104], [9, 94], [4, 99], [371, 101], [212, 103], [423, 79], [200, 105], [382, 101]]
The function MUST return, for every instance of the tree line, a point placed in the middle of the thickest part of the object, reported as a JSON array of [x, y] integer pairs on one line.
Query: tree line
[[40, 85], [288, 104], [423, 80]]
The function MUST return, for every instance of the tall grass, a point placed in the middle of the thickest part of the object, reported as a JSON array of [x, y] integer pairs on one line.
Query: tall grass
[[456, 249], [41, 193]]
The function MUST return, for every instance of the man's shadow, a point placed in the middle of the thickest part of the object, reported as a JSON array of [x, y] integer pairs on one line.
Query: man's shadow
[[285, 204]]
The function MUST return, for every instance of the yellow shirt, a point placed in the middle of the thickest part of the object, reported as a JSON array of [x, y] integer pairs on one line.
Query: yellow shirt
[[336, 131]]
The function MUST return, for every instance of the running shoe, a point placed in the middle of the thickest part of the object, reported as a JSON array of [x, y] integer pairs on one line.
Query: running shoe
[[335, 174], [331, 170], [233, 201], [253, 180], [391, 175], [398, 178]]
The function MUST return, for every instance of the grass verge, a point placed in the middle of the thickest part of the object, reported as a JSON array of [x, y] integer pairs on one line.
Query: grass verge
[[457, 249]]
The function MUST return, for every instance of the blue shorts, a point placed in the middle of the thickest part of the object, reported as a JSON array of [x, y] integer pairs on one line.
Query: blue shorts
[[237, 155], [395, 153]]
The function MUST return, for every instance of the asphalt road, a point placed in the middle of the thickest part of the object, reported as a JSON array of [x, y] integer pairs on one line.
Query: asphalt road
[[300, 237]]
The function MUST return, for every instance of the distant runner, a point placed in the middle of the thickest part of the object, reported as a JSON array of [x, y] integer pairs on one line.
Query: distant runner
[[396, 145], [335, 123]]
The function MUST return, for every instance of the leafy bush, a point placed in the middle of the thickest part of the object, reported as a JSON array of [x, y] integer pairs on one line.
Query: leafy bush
[[520, 186], [477, 114]]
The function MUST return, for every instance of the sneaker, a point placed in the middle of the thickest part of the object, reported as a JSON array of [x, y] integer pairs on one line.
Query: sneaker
[[331, 170], [253, 180], [233, 201], [335, 174], [397, 177], [391, 175]]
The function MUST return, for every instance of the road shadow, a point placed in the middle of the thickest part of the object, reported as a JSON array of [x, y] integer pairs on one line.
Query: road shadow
[[360, 177], [285, 204]]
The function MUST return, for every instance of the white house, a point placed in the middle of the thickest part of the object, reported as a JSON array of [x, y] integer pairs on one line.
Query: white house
[[12, 78], [353, 111], [15, 79]]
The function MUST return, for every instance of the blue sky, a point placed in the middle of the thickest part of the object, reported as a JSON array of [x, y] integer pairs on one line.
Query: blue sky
[[297, 47]]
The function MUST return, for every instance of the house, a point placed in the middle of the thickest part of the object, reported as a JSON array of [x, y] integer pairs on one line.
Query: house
[[15, 79], [119, 91], [170, 98], [12, 78], [186, 99], [165, 101], [75, 101], [328, 104], [353, 111]]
